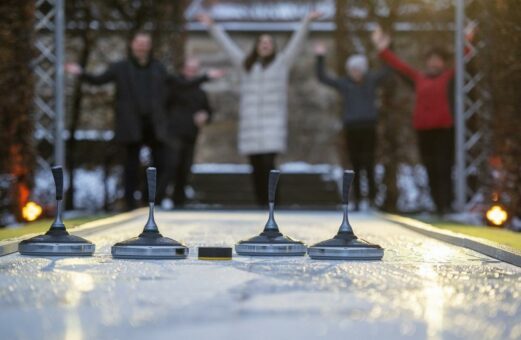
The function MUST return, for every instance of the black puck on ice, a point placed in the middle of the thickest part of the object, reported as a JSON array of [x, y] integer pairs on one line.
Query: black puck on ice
[[215, 253]]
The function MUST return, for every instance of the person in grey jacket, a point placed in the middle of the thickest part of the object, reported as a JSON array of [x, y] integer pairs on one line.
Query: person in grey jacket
[[360, 113], [264, 74]]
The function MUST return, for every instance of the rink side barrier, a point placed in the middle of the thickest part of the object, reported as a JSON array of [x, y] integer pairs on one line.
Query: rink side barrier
[[11, 245], [492, 249]]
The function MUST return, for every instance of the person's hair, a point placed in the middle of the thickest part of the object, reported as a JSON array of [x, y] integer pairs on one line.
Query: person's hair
[[254, 56], [358, 62], [437, 52], [140, 32]]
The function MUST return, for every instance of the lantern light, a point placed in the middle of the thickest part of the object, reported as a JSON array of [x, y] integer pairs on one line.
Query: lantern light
[[496, 215], [31, 211]]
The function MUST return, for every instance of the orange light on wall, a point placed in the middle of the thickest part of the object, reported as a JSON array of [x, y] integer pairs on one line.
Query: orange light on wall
[[496, 215], [31, 211]]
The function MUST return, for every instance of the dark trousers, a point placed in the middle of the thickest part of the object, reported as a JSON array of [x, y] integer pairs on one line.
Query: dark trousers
[[132, 163], [262, 164], [436, 148], [361, 145], [132, 168], [179, 162]]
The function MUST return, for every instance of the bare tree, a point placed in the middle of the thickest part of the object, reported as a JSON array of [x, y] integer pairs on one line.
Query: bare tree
[[504, 45], [16, 97]]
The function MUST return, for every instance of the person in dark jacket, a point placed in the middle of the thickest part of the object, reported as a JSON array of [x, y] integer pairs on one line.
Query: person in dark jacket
[[189, 110], [140, 101], [139, 106], [360, 113], [432, 116]]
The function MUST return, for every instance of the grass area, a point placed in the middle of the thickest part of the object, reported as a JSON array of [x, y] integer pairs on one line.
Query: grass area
[[41, 226], [501, 236]]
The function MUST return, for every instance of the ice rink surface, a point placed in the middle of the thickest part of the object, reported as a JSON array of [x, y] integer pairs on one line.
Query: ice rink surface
[[423, 288]]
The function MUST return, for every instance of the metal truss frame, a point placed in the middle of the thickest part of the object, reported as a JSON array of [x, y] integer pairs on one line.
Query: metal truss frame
[[473, 112], [472, 97], [48, 115]]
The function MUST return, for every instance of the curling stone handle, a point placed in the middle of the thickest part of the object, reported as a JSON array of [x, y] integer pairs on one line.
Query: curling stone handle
[[57, 173], [346, 185], [273, 180], [151, 182], [151, 226]]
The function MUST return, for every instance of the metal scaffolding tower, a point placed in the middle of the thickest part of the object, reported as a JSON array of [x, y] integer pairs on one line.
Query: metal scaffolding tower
[[49, 87], [472, 113]]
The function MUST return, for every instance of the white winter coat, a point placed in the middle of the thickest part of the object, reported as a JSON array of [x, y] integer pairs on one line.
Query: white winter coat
[[263, 109]]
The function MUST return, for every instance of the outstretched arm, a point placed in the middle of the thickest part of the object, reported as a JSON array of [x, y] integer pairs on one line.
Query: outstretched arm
[[382, 42], [297, 39], [95, 79], [320, 68], [234, 52], [178, 82]]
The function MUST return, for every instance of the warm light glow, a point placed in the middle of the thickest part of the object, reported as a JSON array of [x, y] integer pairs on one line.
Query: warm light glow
[[497, 215], [31, 211]]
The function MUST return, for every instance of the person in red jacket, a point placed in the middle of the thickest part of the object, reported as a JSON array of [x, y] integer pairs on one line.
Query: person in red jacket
[[432, 116]]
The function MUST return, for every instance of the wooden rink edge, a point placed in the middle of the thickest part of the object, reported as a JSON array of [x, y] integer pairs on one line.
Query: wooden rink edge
[[492, 249], [11, 245]]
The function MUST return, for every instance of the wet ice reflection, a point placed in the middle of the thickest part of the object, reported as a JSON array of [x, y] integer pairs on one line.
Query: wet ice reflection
[[423, 288], [73, 327], [79, 284], [434, 301], [433, 291], [434, 251]]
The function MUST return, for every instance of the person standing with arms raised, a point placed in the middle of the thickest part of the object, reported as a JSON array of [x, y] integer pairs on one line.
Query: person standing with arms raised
[[432, 116], [360, 113], [263, 108]]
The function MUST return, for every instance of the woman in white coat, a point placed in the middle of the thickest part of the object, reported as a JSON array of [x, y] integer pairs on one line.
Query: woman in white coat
[[263, 108]]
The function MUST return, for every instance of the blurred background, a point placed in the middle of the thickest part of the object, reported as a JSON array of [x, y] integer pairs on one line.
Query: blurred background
[[96, 32]]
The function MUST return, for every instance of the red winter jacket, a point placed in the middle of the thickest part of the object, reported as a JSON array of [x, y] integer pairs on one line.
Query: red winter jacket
[[432, 109]]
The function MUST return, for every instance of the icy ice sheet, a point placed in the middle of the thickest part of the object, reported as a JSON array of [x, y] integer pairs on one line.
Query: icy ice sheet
[[423, 288]]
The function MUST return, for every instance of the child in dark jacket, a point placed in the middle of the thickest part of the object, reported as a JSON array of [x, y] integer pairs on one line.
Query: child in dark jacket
[[188, 111], [360, 113], [432, 115]]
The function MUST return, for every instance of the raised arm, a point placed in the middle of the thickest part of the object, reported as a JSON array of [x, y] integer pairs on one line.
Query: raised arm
[[397, 64], [234, 52], [297, 39], [382, 42], [470, 32], [320, 68]]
